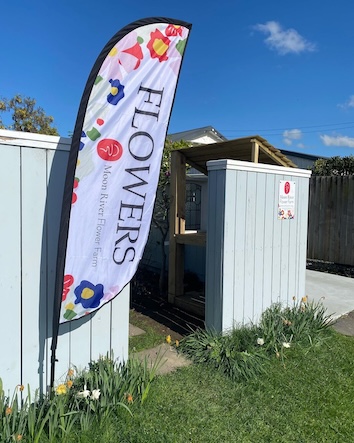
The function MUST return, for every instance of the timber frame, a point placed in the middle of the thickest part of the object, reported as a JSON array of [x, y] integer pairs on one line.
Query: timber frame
[[251, 149]]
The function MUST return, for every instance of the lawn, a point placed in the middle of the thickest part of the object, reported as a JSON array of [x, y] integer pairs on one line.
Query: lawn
[[305, 392], [307, 398]]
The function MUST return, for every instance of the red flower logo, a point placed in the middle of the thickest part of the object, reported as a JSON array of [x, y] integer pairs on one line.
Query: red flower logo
[[109, 149], [158, 45]]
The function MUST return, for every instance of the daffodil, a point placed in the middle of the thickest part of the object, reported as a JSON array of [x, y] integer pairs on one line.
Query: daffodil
[[129, 398], [260, 341], [177, 343], [61, 389], [168, 339], [84, 394], [8, 411], [286, 344], [95, 394], [69, 383]]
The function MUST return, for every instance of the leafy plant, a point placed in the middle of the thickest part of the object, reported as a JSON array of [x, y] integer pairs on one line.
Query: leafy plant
[[303, 323], [242, 352], [234, 354]]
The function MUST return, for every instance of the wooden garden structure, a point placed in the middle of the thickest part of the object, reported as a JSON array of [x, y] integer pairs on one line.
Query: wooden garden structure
[[249, 149]]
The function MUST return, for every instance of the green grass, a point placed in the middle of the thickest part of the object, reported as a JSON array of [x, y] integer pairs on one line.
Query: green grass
[[307, 398], [303, 393], [150, 339]]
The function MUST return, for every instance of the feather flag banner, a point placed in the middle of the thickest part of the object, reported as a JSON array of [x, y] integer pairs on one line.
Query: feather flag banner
[[114, 163]]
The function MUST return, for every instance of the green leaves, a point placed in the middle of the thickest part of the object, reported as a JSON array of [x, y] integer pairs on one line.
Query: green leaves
[[25, 116], [243, 352], [334, 166]]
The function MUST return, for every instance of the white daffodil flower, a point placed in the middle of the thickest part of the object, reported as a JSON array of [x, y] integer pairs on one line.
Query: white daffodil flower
[[85, 393], [95, 394], [286, 344], [260, 341]]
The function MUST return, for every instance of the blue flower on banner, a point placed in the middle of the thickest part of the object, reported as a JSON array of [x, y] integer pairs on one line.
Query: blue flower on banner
[[117, 92], [82, 144], [88, 295]]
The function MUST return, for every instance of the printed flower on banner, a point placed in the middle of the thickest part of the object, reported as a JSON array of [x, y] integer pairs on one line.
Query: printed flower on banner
[[68, 281], [74, 196], [117, 92], [173, 30], [123, 58], [69, 313], [111, 293], [158, 45], [88, 294]]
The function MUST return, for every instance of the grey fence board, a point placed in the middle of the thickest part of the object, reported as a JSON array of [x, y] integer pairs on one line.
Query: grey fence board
[[31, 187]]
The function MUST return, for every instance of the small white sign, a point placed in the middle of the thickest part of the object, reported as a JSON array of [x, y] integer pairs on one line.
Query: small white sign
[[286, 204]]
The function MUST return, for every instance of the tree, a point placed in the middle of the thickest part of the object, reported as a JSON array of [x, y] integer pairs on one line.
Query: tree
[[334, 166], [26, 117], [160, 217]]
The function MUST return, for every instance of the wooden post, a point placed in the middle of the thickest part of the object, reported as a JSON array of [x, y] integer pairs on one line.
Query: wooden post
[[177, 225], [255, 152]]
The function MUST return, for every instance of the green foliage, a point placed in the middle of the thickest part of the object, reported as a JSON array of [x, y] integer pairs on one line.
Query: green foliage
[[242, 353], [160, 217], [234, 354], [334, 166], [26, 117], [80, 403], [304, 324]]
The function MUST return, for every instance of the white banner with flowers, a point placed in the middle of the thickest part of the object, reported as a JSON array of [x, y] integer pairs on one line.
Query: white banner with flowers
[[118, 163]]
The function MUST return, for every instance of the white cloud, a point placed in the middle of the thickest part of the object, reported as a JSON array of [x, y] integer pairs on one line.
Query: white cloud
[[284, 41], [290, 135], [348, 104], [338, 140], [293, 134], [301, 146]]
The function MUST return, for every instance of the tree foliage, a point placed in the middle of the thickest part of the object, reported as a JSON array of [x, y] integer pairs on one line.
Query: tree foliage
[[25, 116], [334, 166], [160, 218]]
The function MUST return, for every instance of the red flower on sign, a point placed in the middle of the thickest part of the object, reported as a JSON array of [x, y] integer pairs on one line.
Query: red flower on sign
[[68, 281], [158, 45], [109, 150], [173, 30], [136, 55]]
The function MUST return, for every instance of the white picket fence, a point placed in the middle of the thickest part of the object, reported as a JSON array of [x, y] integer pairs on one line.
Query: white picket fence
[[32, 178]]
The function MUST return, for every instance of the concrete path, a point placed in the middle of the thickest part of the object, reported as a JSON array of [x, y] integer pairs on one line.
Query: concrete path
[[165, 355], [335, 292]]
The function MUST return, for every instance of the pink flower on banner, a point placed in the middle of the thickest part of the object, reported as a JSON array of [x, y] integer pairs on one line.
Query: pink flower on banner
[[112, 292], [158, 45], [123, 58]]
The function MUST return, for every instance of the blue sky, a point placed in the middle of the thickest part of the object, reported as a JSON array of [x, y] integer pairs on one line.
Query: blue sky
[[280, 69]]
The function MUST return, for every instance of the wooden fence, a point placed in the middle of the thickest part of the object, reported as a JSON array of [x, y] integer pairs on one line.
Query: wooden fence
[[331, 219]]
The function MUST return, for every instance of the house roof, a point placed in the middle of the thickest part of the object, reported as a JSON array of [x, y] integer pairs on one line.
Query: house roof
[[194, 134], [237, 149]]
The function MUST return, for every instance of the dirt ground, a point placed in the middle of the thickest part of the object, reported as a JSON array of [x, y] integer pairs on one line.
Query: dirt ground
[[147, 301]]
